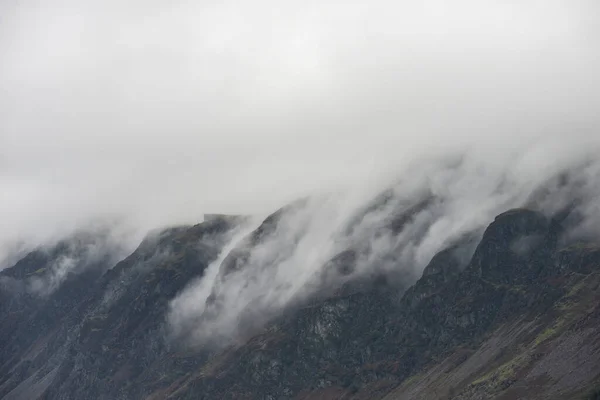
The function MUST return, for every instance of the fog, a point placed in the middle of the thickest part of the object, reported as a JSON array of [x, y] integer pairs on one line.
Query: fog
[[436, 204], [150, 114]]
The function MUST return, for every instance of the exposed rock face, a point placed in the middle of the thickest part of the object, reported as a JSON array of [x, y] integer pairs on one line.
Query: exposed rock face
[[513, 314], [88, 338]]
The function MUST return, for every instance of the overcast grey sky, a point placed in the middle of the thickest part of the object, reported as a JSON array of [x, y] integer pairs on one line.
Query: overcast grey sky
[[161, 111]]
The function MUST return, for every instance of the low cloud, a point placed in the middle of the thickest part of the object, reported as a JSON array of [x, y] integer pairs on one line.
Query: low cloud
[[74, 255], [436, 204], [152, 114], [155, 114]]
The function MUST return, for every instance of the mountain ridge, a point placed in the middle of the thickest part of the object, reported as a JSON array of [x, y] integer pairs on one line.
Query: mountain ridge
[[365, 340]]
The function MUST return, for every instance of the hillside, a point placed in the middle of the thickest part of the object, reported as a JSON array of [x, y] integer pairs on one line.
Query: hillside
[[518, 318]]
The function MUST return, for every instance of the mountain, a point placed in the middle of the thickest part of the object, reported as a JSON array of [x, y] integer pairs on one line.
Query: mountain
[[511, 312]]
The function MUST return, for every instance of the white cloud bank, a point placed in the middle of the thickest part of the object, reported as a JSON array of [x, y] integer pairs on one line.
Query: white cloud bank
[[152, 114]]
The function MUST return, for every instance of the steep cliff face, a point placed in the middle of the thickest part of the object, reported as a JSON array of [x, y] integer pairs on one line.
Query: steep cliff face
[[511, 314], [37, 299], [102, 326]]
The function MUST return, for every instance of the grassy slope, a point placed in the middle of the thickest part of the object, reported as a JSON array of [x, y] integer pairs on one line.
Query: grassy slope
[[550, 356]]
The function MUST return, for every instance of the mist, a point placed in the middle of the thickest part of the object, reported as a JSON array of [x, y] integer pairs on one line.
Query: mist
[[156, 114], [148, 115], [435, 205]]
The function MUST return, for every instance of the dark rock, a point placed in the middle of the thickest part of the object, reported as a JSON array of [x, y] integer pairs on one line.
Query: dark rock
[[102, 334]]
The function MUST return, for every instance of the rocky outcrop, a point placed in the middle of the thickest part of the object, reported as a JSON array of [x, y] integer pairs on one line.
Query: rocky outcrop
[[106, 328]]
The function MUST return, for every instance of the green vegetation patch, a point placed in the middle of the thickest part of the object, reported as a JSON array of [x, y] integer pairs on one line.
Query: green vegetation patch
[[546, 334], [411, 380], [504, 374], [585, 246], [37, 272]]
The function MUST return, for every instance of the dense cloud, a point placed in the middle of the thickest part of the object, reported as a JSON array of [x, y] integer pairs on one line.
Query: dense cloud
[[436, 204], [151, 114], [162, 112]]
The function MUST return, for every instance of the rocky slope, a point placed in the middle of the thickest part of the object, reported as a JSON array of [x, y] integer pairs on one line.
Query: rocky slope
[[513, 313]]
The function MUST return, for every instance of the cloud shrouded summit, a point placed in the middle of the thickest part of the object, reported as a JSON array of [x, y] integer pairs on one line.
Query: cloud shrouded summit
[[159, 113]]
